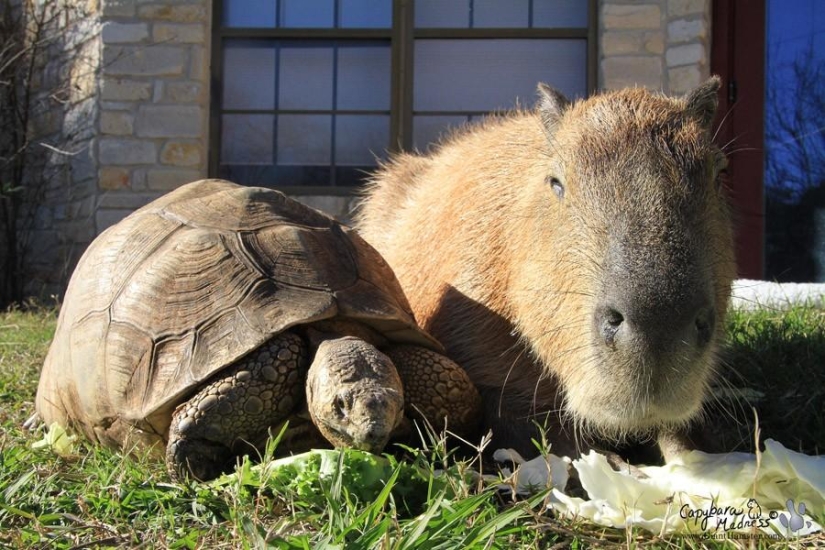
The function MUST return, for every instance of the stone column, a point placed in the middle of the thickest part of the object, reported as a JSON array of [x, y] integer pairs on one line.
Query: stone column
[[63, 157], [659, 44], [153, 101]]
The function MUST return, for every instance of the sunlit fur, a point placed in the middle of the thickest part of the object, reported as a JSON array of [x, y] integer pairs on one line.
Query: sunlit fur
[[507, 274]]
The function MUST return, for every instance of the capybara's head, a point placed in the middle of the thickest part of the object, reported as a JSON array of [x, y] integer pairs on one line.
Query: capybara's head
[[632, 228]]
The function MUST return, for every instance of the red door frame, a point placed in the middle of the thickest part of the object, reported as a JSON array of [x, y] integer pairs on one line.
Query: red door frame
[[738, 56]]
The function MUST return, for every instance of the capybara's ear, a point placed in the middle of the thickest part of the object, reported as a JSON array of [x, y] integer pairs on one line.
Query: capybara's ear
[[552, 105], [702, 102]]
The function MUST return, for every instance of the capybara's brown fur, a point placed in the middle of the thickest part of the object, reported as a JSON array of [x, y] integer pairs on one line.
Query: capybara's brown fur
[[575, 259]]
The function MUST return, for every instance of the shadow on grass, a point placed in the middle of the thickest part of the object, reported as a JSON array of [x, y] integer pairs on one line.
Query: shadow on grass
[[774, 362]]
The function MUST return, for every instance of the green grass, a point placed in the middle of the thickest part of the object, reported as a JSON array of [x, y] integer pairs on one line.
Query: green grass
[[774, 363], [96, 498]]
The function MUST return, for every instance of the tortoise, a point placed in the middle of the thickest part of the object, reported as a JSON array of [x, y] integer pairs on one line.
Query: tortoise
[[190, 325]]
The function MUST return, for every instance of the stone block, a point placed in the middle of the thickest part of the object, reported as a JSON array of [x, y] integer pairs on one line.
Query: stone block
[[684, 79], [185, 13], [83, 78], [117, 8], [685, 55], [169, 121], [82, 209], [632, 43], [60, 212], [679, 8], [621, 43], [166, 180], [184, 33], [107, 217], [144, 61], [176, 153], [118, 123], [631, 16], [124, 33], [126, 199], [117, 105], [683, 30], [138, 182], [45, 123], [78, 231], [621, 72], [655, 43], [124, 90], [198, 64], [183, 92], [113, 178], [42, 218], [83, 164], [82, 189], [43, 245], [118, 151], [78, 121]]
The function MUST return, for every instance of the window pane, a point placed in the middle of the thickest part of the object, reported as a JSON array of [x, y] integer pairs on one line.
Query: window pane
[[249, 13], [442, 13], [246, 139], [364, 77], [307, 13], [366, 14], [304, 139], [248, 75], [305, 79], [429, 129], [359, 139], [559, 13], [501, 13], [484, 75]]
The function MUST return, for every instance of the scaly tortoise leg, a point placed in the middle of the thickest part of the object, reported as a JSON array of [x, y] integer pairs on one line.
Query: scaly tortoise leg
[[234, 411], [438, 389]]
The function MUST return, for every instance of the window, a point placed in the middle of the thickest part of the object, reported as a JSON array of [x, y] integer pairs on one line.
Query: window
[[312, 93]]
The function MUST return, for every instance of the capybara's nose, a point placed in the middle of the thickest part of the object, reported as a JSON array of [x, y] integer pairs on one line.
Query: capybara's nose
[[659, 329]]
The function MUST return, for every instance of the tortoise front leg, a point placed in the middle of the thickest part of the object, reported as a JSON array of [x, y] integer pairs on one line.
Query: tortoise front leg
[[234, 411], [438, 389]]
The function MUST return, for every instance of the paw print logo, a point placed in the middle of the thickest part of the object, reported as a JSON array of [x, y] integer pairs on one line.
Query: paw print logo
[[754, 510], [796, 520]]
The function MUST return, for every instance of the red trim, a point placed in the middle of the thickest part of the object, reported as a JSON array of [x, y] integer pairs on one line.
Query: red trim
[[738, 56]]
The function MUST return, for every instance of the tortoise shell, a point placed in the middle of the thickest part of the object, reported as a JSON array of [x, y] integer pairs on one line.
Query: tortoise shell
[[190, 283]]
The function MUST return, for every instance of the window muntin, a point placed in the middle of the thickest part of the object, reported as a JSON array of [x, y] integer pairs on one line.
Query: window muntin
[[519, 14], [306, 110], [309, 95], [306, 14]]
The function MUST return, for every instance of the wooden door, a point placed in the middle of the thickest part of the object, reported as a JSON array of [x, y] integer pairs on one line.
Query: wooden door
[[738, 56]]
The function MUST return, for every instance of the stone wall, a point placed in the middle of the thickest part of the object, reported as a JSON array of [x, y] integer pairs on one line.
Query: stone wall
[[138, 118], [133, 124], [660, 44], [153, 125], [62, 167]]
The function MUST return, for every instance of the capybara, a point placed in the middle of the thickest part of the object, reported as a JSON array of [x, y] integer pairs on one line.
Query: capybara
[[576, 259]]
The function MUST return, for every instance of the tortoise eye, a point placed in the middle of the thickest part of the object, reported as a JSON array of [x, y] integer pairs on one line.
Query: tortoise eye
[[340, 406], [557, 186]]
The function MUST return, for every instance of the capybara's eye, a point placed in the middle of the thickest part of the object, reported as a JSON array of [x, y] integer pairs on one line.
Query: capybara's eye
[[556, 186]]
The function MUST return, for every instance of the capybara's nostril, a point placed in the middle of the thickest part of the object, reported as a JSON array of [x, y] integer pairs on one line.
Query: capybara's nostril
[[705, 323], [608, 323], [659, 329]]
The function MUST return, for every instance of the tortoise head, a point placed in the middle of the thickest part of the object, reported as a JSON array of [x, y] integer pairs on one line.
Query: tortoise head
[[354, 394]]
